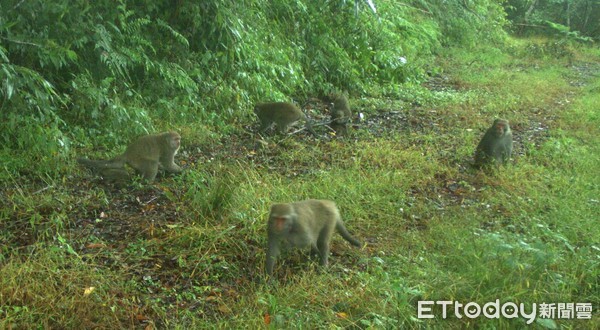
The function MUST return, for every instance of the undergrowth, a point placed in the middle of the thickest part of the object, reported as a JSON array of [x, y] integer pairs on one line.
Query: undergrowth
[[188, 251]]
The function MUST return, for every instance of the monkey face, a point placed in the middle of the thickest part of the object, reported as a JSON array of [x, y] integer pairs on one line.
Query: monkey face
[[279, 223], [281, 219], [500, 127], [175, 141]]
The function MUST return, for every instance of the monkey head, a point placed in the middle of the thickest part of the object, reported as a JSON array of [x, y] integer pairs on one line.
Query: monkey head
[[282, 217], [500, 127]]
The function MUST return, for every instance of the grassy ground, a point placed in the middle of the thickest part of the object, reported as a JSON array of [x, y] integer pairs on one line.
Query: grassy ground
[[188, 252]]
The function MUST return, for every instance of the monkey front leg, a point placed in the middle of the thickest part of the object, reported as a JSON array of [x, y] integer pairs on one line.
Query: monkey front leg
[[323, 248], [272, 254]]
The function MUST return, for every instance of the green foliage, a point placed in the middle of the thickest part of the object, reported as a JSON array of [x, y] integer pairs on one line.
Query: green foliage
[[114, 70], [467, 22], [565, 32], [29, 119], [25, 286], [574, 19], [188, 251], [209, 196]]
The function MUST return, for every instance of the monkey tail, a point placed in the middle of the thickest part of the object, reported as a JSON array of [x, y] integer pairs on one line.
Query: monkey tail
[[309, 126], [115, 163], [346, 235]]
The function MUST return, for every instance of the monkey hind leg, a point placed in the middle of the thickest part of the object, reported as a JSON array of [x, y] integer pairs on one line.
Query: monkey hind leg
[[148, 169]]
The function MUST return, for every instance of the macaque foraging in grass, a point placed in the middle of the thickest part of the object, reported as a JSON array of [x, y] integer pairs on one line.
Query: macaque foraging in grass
[[341, 114], [146, 155], [282, 114], [310, 223]]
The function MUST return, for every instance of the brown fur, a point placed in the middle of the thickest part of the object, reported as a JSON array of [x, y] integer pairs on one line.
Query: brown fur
[[282, 114], [309, 223], [496, 145], [146, 155]]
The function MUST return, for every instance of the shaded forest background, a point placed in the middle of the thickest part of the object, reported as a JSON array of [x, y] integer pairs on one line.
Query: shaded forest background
[[71, 71]]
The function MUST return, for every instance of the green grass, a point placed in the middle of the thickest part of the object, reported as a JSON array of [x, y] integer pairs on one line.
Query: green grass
[[191, 255]]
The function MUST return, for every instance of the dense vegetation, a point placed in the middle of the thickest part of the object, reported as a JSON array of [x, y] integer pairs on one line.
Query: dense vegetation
[[428, 76], [579, 19], [71, 70]]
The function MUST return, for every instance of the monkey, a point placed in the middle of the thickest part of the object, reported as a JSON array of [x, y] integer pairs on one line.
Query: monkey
[[340, 113], [303, 224], [283, 114], [496, 145], [146, 155]]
